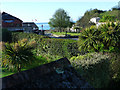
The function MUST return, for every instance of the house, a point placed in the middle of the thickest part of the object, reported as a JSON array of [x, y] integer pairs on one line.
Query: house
[[11, 23], [95, 20], [30, 27], [75, 28], [101, 23]]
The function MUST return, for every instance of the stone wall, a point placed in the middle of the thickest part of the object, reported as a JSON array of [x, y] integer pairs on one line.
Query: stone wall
[[57, 74]]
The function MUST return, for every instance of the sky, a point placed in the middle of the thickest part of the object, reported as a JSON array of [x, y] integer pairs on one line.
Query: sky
[[42, 10]]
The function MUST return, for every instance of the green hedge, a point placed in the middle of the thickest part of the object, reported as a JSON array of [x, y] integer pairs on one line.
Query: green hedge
[[115, 66], [94, 67], [21, 35], [100, 70], [45, 45], [6, 35], [60, 47]]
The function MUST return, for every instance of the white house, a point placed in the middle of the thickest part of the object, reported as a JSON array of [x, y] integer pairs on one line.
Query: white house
[[95, 20]]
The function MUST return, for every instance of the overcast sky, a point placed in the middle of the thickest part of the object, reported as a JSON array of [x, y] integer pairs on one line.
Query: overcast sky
[[43, 10]]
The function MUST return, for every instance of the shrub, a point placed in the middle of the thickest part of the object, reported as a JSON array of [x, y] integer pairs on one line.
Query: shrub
[[115, 66], [16, 55], [48, 46], [114, 70], [110, 37], [88, 40], [6, 35], [105, 38], [21, 35], [94, 67], [59, 47], [106, 18]]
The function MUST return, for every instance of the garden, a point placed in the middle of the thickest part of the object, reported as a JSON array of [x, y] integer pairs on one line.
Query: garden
[[22, 51], [96, 55]]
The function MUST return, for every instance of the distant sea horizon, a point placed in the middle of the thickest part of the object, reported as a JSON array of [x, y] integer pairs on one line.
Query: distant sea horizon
[[45, 25]]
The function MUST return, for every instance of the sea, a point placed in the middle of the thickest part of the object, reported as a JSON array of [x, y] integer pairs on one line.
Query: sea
[[45, 26]]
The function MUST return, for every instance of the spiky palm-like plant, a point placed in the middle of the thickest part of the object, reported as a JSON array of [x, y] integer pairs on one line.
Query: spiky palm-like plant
[[88, 39], [104, 38], [110, 35], [16, 55]]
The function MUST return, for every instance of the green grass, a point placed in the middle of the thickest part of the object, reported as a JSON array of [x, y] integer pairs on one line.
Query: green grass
[[63, 33], [5, 72], [39, 60]]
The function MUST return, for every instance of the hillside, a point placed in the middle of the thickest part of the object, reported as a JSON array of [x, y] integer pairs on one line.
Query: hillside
[[84, 21], [112, 13]]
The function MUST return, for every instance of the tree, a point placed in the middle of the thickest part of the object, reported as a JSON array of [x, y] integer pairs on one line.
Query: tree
[[60, 20]]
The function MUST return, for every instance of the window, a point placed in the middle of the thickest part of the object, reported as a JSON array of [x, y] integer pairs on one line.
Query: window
[[8, 21]]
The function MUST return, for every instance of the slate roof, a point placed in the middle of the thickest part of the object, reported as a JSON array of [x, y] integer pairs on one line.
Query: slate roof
[[6, 16], [30, 23]]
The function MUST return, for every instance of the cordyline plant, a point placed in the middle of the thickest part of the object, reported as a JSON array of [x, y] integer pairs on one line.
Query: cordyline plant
[[17, 55], [105, 38]]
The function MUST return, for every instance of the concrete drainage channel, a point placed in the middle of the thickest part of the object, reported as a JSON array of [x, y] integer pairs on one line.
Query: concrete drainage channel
[[57, 74]]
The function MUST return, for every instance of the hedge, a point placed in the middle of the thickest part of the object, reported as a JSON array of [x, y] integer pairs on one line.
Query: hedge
[[100, 70], [6, 35], [50, 46], [94, 67]]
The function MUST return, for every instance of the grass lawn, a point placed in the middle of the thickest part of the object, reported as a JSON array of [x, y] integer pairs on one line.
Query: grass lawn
[[5, 72], [63, 33], [39, 61]]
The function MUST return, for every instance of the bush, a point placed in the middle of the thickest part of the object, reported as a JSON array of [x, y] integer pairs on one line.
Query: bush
[[88, 40], [109, 37], [105, 38], [6, 35], [21, 35], [114, 70], [59, 47], [94, 67], [17, 55], [106, 18], [115, 66], [53, 47]]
